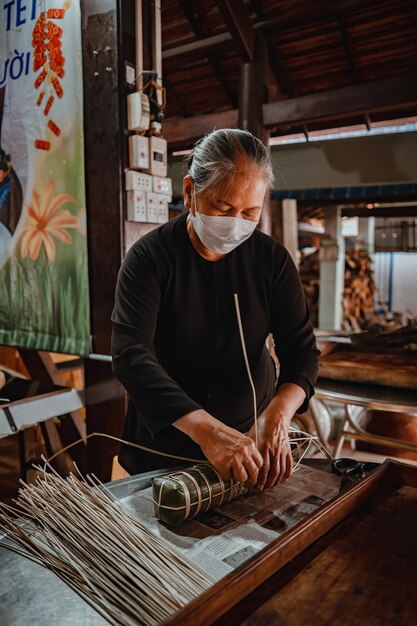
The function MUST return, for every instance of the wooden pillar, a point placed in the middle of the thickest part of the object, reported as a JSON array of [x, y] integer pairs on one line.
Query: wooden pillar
[[104, 121], [366, 234], [332, 271], [253, 93], [285, 225], [106, 406]]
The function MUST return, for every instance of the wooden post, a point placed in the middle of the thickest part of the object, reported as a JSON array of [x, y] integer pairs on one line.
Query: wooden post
[[157, 45], [138, 44], [104, 106], [366, 234], [253, 93], [332, 271], [285, 225]]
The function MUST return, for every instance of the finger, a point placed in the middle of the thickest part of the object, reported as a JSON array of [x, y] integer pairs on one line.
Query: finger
[[273, 473], [288, 463], [225, 472], [262, 477], [239, 473], [289, 467], [258, 458], [283, 467], [252, 471], [263, 472]]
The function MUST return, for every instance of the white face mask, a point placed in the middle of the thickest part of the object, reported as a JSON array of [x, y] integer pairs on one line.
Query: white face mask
[[221, 234]]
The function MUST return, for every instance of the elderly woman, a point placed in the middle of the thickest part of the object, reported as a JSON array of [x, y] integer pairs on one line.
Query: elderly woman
[[176, 344]]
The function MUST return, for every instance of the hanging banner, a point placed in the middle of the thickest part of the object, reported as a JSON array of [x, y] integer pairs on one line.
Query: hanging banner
[[44, 301]]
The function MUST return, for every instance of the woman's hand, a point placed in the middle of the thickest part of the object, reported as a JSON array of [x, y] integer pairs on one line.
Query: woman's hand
[[274, 446], [233, 454], [273, 441]]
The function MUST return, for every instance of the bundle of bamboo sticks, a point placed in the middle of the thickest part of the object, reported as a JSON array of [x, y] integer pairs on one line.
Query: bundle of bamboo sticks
[[75, 528]]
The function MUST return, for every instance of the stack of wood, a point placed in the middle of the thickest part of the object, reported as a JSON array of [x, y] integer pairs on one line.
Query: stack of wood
[[359, 292], [401, 340], [310, 277]]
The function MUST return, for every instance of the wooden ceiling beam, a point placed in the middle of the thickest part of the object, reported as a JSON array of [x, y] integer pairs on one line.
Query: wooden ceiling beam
[[315, 13], [382, 95], [231, 97], [280, 83], [208, 43], [299, 18], [378, 95], [181, 132], [211, 58], [239, 23], [347, 45], [192, 20], [279, 69], [176, 100], [385, 211], [240, 26], [354, 201]]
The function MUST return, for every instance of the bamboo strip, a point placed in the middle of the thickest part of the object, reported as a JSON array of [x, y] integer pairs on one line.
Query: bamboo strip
[[99, 549]]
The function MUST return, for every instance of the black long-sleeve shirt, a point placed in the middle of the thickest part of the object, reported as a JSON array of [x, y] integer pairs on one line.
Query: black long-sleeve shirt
[[176, 345]]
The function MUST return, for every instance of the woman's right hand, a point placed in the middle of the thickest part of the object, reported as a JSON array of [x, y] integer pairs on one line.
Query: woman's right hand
[[232, 454]]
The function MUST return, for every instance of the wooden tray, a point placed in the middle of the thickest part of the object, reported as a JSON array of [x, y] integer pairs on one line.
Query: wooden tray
[[364, 572]]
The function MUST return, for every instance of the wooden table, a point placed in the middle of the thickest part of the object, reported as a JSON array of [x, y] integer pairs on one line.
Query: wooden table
[[352, 562], [361, 573], [370, 397]]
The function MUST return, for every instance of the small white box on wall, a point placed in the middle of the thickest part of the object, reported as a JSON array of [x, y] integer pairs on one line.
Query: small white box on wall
[[157, 156], [152, 207], [138, 152], [138, 181], [162, 185], [138, 111], [163, 208], [136, 206]]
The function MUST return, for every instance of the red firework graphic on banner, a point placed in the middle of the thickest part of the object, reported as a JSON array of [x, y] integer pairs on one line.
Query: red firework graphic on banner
[[48, 58]]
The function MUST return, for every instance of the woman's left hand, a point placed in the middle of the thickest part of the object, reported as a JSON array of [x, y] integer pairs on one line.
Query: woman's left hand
[[273, 441], [274, 446]]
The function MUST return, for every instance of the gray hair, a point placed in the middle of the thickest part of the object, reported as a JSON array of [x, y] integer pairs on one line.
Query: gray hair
[[216, 155]]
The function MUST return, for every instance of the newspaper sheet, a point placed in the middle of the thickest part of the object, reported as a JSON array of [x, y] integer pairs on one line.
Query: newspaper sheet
[[222, 539]]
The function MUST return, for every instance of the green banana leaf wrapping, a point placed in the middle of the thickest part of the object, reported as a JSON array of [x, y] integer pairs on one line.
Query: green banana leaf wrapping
[[192, 491]]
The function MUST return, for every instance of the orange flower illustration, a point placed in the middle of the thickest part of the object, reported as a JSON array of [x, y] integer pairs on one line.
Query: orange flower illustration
[[46, 221]]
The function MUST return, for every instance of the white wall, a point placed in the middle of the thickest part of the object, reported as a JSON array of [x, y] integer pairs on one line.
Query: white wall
[[372, 160], [395, 274]]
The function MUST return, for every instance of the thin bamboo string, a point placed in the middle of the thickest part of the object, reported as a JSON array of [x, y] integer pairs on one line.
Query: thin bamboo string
[[202, 461], [101, 550], [81, 535], [305, 439], [80, 532], [314, 439], [128, 443], [248, 370], [310, 439]]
